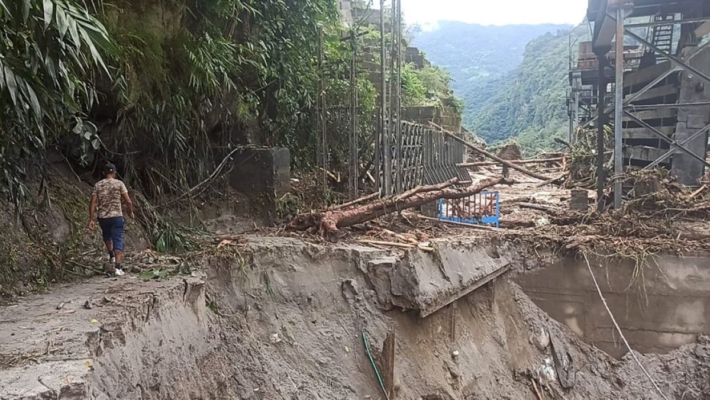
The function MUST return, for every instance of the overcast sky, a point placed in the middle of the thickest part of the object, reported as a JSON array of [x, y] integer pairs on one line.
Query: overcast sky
[[494, 12]]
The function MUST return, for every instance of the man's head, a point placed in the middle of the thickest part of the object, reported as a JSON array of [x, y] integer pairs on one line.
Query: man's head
[[109, 170]]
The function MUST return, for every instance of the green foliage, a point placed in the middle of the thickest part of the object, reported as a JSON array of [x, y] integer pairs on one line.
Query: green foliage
[[414, 93], [162, 88], [49, 55], [428, 86]]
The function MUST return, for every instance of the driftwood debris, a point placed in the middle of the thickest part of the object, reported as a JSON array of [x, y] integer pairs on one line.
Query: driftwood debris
[[498, 159], [552, 180], [330, 221], [521, 162], [541, 207]]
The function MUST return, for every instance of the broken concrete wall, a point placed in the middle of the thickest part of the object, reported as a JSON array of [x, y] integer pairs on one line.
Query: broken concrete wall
[[660, 305], [428, 281]]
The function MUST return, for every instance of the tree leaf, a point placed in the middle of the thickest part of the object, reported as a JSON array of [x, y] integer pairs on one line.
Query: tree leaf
[[62, 22], [48, 12], [74, 32], [11, 84], [26, 6], [34, 103]]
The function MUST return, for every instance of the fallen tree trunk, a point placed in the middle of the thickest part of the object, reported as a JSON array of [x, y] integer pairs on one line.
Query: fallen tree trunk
[[496, 158], [356, 201], [332, 220], [521, 162]]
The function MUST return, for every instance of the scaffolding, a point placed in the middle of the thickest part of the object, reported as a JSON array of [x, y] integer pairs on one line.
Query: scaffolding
[[646, 70]]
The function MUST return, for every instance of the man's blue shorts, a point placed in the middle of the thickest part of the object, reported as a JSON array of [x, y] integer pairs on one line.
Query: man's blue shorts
[[112, 230]]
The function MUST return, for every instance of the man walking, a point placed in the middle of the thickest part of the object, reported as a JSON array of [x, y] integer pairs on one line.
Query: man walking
[[106, 205]]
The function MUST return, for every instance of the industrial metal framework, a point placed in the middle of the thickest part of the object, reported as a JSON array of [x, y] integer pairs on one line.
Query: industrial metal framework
[[654, 54]]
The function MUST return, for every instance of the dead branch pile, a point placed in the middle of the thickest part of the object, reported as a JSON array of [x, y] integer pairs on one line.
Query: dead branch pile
[[331, 220], [583, 158], [656, 194]]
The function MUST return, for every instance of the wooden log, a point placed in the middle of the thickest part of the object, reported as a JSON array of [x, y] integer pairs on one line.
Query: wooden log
[[520, 162], [553, 180], [356, 201], [697, 192], [429, 188], [496, 158], [330, 221], [388, 354], [540, 207]]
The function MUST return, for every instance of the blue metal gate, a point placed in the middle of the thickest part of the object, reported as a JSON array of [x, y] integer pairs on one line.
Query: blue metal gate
[[480, 209]]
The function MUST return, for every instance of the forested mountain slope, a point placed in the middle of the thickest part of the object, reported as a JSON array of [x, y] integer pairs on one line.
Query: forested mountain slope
[[477, 56], [532, 104]]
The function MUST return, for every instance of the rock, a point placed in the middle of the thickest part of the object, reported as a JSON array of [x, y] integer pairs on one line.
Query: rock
[[542, 339]]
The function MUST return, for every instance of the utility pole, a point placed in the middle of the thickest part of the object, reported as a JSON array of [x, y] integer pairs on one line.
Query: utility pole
[[384, 143], [619, 109]]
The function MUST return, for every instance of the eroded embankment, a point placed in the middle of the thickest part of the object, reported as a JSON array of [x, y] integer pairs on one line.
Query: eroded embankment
[[285, 319]]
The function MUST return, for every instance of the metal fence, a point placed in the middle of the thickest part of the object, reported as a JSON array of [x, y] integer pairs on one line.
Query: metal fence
[[481, 208], [423, 157]]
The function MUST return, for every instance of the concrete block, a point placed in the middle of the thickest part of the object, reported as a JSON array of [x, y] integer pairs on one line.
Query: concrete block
[[579, 200], [262, 172]]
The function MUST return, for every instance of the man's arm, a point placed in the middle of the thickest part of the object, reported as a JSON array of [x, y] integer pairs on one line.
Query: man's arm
[[92, 210], [127, 199]]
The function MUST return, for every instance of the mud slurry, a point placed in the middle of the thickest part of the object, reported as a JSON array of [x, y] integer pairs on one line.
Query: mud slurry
[[285, 320]]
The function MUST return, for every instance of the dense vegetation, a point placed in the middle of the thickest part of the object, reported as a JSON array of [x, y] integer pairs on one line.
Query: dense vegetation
[[477, 56], [165, 89], [531, 106]]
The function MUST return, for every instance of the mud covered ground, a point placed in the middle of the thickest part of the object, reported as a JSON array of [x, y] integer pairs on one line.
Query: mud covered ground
[[283, 319]]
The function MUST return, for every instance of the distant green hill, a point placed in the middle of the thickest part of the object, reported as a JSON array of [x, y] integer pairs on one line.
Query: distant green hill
[[531, 105], [478, 56]]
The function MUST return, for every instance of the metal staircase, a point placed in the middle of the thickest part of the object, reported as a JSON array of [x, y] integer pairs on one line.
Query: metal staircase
[[663, 34]]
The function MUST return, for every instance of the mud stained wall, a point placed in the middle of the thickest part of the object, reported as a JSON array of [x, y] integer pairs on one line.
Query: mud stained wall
[[660, 306]]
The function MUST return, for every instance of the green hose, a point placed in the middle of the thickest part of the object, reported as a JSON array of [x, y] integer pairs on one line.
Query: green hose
[[374, 366]]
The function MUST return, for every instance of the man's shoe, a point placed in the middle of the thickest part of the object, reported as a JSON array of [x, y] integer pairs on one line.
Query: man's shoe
[[119, 272]]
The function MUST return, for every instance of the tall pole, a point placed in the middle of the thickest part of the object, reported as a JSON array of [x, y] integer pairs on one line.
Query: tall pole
[[385, 149], [393, 94], [322, 116], [398, 100], [619, 109], [575, 111], [601, 95], [354, 170]]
